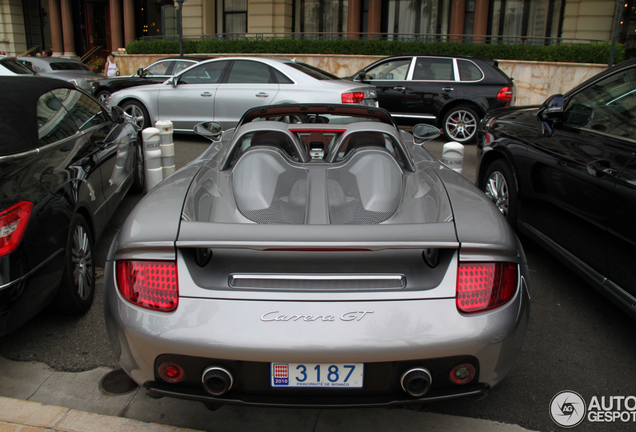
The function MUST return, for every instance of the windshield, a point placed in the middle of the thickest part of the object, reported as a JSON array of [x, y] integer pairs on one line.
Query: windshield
[[69, 66], [313, 71]]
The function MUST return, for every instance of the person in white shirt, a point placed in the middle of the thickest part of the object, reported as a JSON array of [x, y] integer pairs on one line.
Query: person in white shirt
[[111, 67]]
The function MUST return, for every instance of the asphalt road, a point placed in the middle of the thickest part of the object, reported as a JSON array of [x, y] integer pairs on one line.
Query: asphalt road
[[577, 340]]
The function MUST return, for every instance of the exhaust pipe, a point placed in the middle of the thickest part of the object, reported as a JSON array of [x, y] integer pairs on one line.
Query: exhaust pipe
[[416, 382], [216, 380]]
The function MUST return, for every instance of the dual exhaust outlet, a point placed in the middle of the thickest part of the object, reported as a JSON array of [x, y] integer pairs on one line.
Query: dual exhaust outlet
[[217, 381]]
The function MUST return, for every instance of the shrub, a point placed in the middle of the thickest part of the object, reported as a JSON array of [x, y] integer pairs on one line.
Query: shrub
[[578, 53]]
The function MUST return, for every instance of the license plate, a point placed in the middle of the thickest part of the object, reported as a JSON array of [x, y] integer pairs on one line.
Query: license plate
[[317, 375]]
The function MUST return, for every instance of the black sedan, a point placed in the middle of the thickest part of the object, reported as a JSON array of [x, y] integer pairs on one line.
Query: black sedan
[[565, 175], [154, 73], [65, 165], [453, 93]]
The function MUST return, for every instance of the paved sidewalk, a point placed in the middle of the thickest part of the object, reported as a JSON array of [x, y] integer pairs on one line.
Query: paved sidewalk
[[34, 397]]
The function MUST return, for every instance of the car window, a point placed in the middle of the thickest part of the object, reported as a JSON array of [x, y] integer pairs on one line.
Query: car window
[[54, 122], [606, 106], [86, 112], [390, 70], [15, 67], [434, 69], [468, 71], [69, 66], [160, 68], [249, 72], [208, 73], [181, 65], [281, 77]]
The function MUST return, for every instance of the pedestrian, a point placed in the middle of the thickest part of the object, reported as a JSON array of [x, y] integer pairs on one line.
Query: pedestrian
[[44, 53], [111, 66]]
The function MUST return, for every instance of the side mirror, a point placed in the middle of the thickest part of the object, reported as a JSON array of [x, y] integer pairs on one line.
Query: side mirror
[[552, 108], [140, 72], [210, 130], [117, 114], [172, 81], [423, 133]]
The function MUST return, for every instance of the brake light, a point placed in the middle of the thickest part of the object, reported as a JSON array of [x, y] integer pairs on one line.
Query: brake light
[[13, 223], [149, 284], [505, 94], [485, 286], [353, 97]]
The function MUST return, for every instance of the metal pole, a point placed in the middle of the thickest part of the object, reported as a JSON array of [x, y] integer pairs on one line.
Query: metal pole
[[615, 31]]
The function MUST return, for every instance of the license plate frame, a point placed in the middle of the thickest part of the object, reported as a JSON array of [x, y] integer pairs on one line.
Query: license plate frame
[[317, 375]]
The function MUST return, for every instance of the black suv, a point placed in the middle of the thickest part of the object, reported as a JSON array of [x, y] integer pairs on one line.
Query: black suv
[[453, 93]]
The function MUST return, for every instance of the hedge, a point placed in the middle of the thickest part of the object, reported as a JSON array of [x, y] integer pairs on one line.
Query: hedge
[[577, 53]]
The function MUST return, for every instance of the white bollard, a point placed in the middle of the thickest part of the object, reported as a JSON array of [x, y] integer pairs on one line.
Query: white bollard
[[152, 157], [167, 147], [453, 156]]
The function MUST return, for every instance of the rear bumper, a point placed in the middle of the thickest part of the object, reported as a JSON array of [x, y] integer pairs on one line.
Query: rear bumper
[[393, 335]]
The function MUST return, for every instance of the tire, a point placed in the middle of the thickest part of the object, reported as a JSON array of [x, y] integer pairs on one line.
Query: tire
[[75, 295], [138, 112], [103, 96], [500, 186], [460, 124], [139, 176]]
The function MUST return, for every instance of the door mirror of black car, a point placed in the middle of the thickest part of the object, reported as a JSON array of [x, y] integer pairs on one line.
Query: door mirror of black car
[[551, 109], [117, 114], [140, 72], [423, 133], [210, 130]]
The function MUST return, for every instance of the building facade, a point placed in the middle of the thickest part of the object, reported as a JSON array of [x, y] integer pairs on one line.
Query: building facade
[[71, 28]]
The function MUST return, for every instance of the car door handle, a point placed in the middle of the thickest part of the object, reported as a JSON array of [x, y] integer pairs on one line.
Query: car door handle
[[601, 168], [399, 88], [262, 94], [448, 89], [206, 94]]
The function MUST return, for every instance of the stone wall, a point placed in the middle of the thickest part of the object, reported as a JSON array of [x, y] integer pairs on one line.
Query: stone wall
[[534, 81]]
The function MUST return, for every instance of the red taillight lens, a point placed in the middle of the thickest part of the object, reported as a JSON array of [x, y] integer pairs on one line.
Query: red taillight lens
[[505, 94], [171, 372], [13, 222], [484, 286], [353, 97], [149, 284]]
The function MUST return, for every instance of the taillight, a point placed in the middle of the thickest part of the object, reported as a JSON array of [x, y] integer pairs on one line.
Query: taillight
[[149, 284], [505, 94], [353, 97], [485, 286], [13, 222]]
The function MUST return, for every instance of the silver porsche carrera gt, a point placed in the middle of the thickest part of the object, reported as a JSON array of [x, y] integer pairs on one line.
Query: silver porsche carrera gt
[[316, 256]]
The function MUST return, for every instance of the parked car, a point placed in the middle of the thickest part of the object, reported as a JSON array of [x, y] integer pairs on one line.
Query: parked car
[[453, 93], [65, 164], [9, 66], [316, 256], [155, 73], [223, 89], [62, 68], [565, 175]]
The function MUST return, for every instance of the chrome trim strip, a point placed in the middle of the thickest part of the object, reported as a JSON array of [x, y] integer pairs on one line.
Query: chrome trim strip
[[317, 282], [38, 267]]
